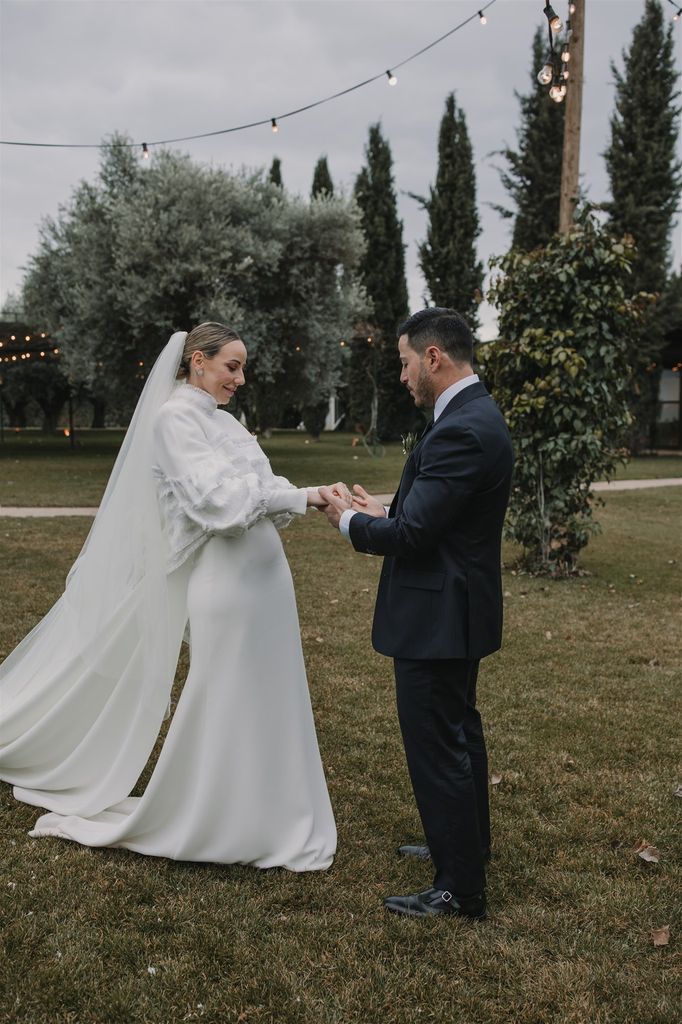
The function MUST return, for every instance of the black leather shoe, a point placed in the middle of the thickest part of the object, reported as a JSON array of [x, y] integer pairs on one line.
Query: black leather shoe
[[423, 853], [434, 902]]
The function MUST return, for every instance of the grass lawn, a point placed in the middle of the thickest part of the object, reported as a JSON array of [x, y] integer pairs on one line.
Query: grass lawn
[[583, 714], [35, 470]]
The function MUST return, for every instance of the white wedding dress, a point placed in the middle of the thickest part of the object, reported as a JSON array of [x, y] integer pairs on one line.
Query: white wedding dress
[[239, 777]]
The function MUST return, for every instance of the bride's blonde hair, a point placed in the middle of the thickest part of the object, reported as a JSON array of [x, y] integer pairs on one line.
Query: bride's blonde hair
[[208, 338]]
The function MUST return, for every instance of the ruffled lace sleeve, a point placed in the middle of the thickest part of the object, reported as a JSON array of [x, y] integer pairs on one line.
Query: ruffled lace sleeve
[[218, 493]]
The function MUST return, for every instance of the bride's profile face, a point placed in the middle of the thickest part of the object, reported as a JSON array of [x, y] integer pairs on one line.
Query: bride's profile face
[[223, 373]]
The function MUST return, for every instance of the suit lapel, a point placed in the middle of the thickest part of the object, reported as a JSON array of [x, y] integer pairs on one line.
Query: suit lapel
[[468, 394]]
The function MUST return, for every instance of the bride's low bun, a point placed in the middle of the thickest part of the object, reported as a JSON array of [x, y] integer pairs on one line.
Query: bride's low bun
[[208, 338]]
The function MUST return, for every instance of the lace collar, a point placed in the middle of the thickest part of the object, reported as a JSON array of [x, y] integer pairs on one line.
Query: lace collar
[[197, 396]]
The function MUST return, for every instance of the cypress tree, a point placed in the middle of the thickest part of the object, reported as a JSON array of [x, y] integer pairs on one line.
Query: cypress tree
[[533, 177], [275, 175], [382, 271], [322, 179], [448, 256], [645, 187]]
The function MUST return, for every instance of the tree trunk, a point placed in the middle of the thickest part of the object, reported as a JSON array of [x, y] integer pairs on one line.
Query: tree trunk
[[99, 408]]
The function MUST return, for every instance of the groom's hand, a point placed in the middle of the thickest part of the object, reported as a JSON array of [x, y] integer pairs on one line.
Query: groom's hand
[[364, 502], [336, 504]]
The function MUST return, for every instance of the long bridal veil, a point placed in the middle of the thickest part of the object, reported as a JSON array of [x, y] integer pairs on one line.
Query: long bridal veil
[[83, 696]]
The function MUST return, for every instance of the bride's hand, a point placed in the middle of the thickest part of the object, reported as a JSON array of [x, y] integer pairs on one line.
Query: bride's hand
[[340, 491], [315, 500]]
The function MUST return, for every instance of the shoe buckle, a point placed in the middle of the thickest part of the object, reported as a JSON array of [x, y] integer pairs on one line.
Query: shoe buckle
[[446, 896]]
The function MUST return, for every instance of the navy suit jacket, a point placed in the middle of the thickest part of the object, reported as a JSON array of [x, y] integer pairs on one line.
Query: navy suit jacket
[[440, 591]]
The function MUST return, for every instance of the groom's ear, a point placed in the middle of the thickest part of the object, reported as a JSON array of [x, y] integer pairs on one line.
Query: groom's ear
[[433, 357]]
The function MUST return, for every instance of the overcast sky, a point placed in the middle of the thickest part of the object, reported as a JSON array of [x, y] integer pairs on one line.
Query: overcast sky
[[76, 70]]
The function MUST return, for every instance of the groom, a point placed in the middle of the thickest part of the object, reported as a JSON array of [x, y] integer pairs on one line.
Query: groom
[[439, 603]]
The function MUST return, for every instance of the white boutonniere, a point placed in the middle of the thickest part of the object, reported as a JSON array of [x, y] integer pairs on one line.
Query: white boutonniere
[[409, 442]]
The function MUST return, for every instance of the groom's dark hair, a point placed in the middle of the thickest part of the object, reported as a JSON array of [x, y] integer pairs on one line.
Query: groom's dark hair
[[445, 328]]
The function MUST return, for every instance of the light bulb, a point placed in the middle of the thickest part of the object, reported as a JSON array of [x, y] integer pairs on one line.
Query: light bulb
[[553, 18], [565, 74], [571, 8], [545, 74], [677, 14], [482, 18], [275, 127], [555, 93], [562, 89], [565, 56], [145, 151], [391, 78]]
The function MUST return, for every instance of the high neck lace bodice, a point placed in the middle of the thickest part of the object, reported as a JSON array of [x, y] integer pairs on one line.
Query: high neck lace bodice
[[197, 396]]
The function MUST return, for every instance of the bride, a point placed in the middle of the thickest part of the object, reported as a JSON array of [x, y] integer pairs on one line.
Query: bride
[[186, 536]]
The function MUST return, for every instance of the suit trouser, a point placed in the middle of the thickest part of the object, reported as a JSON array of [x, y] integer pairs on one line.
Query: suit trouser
[[448, 765]]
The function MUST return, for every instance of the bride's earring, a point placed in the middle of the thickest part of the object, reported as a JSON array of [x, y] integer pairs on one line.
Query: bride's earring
[[200, 373]]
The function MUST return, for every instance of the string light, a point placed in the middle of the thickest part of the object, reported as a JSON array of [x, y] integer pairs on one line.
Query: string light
[[391, 78], [565, 55], [272, 121], [555, 22], [546, 73], [677, 14], [482, 18], [145, 151]]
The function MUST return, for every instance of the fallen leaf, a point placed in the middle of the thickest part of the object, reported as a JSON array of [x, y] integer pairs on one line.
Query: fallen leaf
[[678, 792], [647, 852], [567, 763], [319, 640], [548, 635], [495, 780], [661, 936], [653, 663], [335, 601], [507, 593]]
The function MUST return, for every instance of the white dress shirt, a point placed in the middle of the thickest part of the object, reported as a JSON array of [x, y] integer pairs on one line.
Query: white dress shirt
[[443, 399]]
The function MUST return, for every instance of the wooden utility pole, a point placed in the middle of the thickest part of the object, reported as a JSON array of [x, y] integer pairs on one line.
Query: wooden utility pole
[[570, 167]]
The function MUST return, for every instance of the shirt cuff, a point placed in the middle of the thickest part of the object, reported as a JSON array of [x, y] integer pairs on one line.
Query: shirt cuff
[[344, 522], [289, 499]]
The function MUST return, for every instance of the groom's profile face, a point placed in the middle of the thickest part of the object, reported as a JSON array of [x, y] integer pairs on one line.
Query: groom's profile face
[[415, 376]]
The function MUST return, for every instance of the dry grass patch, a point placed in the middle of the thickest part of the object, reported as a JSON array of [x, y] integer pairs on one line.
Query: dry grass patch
[[583, 731]]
